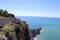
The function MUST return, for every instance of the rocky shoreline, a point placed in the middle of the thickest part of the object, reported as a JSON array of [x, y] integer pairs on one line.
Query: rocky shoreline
[[12, 28], [34, 33]]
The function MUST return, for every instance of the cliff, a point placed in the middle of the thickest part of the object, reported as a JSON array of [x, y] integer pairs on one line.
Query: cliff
[[12, 28]]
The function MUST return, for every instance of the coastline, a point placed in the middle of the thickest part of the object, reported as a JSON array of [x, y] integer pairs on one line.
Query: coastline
[[41, 30], [35, 37]]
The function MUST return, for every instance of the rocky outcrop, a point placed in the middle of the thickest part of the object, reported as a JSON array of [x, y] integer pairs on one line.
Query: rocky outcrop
[[34, 32], [12, 28]]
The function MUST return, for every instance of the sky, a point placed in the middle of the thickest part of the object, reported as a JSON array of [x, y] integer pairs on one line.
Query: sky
[[39, 8]]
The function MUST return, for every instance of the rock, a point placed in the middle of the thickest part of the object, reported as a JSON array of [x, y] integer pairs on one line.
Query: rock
[[3, 37], [34, 32]]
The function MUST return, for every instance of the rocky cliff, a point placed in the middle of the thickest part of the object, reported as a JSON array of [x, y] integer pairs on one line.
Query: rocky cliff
[[34, 32], [12, 28]]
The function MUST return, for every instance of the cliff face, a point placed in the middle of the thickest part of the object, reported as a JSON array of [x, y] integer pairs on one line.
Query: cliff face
[[12, 28]]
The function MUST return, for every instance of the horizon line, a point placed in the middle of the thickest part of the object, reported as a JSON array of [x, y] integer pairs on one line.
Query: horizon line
[[37, 16]]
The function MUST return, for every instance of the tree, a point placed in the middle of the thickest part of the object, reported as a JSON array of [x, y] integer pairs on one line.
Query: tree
[[10, 15], [5, 13], [1, 12]]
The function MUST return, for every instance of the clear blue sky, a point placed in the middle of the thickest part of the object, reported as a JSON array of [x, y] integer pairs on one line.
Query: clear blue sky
[[42, 8]]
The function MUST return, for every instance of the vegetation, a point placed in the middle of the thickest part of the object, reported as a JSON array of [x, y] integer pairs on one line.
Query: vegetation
[[13, 34], [5, 13], [12, 28], [5, 29]]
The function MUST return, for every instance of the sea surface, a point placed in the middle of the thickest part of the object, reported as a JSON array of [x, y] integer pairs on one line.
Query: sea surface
[[50, 26]]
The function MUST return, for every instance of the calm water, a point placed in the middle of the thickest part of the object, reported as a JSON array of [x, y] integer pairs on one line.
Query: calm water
[[50, 26]]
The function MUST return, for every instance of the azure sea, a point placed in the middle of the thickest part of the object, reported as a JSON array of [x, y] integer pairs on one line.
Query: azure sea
[[50, 26]]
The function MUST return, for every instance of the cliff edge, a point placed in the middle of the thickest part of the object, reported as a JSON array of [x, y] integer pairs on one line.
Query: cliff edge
[[12, 28]]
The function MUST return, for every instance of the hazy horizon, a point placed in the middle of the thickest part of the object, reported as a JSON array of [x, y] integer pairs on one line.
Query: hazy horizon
[[37, 16]]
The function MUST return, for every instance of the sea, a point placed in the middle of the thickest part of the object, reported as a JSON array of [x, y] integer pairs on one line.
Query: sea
[[50, 26]]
